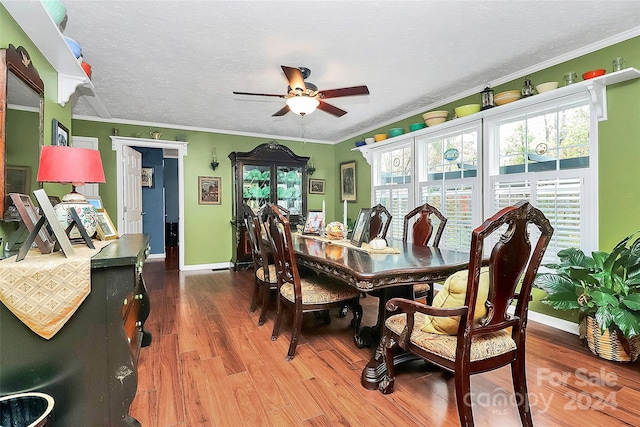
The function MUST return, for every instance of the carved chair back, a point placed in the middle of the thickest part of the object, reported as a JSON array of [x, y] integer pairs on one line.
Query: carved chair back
[[254, 231], [423, 226], [379, 222], [284, 257]]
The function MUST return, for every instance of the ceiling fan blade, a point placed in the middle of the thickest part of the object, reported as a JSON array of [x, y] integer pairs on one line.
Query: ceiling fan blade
[[258, 94], [345, 91], [328, 108], [294, 75], [281, 112]]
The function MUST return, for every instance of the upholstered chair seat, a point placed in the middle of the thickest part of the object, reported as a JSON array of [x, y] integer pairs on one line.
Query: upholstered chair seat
[[319, 290]]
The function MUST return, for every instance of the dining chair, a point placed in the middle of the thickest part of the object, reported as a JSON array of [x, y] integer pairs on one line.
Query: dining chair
[[265, 279], [379, 222], [316, 293], [421, 234], [469, 328]]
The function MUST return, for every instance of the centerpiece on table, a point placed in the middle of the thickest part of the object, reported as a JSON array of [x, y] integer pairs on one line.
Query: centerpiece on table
[[335, 231], [605, 288]]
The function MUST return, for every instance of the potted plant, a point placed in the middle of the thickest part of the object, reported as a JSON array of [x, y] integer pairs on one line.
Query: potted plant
[[605, 288]]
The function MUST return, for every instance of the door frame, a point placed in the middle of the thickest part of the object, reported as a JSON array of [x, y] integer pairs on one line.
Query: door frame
[[117, 142]]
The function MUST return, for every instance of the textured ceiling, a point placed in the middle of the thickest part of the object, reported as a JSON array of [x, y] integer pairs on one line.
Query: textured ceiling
[[177, 62]]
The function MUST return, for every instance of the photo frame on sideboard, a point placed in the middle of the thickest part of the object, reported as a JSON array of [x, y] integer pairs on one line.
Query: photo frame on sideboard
[[361, 227], [96, 201], [47, 210], [30, 218], [106, 230]]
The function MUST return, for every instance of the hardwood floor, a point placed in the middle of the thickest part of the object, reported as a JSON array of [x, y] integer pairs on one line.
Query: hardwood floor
[[211, 365]]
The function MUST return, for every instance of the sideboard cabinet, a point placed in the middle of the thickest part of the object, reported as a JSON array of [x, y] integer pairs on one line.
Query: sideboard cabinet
[[269, 173], [90, 366]]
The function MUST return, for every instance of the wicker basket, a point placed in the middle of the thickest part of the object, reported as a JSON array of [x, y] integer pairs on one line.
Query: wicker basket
[[608, 346]]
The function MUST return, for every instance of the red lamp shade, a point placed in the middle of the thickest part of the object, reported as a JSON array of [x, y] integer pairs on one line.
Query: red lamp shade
[[77, 166]]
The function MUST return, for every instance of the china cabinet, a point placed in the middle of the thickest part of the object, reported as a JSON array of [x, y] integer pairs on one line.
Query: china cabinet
[[269, 173]]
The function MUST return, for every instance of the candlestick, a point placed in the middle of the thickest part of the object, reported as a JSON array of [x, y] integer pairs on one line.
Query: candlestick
[[323, 211], [344, 215]]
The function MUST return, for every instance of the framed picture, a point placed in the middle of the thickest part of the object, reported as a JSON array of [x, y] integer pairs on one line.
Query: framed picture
[[96, 201], [147, 177], [106, 230], [361, 227], [60, 134], [30, 217], [52, 219], [348, 181], [54, 200], [18, 179], [316, 186], [209, 188], [314, 223]]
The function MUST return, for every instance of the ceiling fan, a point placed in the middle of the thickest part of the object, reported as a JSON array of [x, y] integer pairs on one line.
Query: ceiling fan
[[303, 98]]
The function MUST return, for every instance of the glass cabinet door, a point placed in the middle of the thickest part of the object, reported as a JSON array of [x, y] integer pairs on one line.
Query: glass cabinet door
[[289, 192], [256, 190]]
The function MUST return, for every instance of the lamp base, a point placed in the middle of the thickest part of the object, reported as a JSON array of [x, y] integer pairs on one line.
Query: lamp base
[[86, 212]]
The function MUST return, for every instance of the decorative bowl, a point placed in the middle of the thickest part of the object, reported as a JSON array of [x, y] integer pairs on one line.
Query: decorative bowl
[[360, 143], [433, 118], [87, 68], [56, 10], [378, 243], [506, 97], [369, 140], [546, 87], [380, 137], [74, 46], [416, 126], [395, 132], [593, 73], [465, 110]]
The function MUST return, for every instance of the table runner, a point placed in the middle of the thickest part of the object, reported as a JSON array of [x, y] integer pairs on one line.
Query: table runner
[[344, 242], [44, 290]]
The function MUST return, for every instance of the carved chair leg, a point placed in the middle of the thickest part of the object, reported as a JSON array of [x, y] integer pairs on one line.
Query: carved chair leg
[[386, 350], [357, 319], [519, 375], [463, 397], [278, 321], [254, 299], [429, 297], [265, 291], [295, 333]]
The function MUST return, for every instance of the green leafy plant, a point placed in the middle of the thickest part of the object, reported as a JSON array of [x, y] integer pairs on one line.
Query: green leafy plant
[[605, 286]]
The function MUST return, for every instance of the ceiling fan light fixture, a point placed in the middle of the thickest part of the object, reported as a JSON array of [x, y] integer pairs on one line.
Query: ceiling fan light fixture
[[302, 104]]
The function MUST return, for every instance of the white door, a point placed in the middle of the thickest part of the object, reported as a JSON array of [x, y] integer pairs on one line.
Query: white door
[[132, 168], [92, 143]]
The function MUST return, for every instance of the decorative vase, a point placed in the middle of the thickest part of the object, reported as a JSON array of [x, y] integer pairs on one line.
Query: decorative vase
[[609, 346]]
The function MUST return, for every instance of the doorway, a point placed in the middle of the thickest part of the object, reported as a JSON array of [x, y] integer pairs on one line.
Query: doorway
[[179, 148]]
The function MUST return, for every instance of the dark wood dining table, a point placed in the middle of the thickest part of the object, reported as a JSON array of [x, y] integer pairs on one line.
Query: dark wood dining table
[[387, 275]]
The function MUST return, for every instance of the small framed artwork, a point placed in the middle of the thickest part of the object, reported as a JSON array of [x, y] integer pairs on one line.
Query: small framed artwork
[[54, 200], [348, 181], [95, 201], [18, 179], [147, 177], [314, 223], [30, 217], [316, 186], [106, 230], [361, 227], [210, 190], [60, 134], [47, 210]]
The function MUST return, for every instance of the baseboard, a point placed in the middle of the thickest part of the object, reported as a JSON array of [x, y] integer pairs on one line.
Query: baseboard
[[157, 256], [217, 266]]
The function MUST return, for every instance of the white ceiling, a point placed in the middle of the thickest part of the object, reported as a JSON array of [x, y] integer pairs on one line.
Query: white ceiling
[[176, 62]]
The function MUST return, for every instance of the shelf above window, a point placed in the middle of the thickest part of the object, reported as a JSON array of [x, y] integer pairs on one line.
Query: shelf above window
[[34, 20], [596, 87]]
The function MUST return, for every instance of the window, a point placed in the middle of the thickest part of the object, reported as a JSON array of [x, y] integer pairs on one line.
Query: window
[[449, 179], [543, 154], [392, 185]]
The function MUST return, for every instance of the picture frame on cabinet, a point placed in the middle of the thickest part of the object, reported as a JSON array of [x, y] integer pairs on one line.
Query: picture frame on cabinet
[[348, 181], [210, 190], [30, 218], [105, 230], [316, 186]]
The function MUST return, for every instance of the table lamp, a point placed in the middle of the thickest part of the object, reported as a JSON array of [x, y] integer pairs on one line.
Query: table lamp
[[75, 166]]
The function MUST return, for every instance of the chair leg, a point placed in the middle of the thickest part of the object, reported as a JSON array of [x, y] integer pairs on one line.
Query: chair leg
[[519, 375], [357, 318], [295, 333], [254, 299], [278, 321], [429, 298], [385, 350], [463, 397], [265, 291]]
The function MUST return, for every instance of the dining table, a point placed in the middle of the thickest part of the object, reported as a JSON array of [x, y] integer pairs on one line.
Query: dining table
[[387, 273]]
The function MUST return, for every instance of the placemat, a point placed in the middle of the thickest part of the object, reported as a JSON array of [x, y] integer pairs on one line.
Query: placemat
[[44, 290]]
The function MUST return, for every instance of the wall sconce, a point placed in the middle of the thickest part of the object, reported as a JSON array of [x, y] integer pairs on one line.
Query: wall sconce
[[310, 168], [214, 160]]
